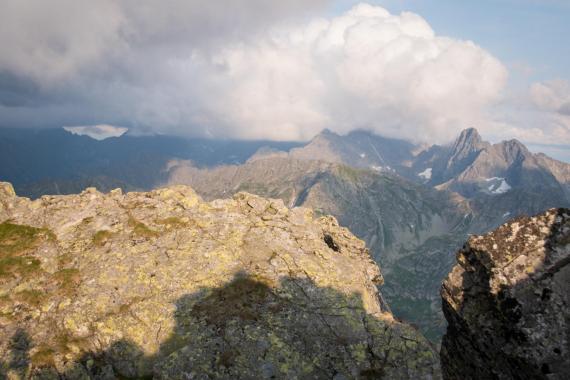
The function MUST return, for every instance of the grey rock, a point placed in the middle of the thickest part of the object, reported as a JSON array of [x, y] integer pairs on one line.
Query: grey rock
[[165, 285], [507, 302]]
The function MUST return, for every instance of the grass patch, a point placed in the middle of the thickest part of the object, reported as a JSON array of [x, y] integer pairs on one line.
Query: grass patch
[[67, 280], [19, 266], [17, 239], [16, 242], [5, 301], [124, 308], [64, 259], [32, 297], [6, 308], [101, 237], [66, 343], [173, 221], [44, 357], [141, 229], [350, 174]]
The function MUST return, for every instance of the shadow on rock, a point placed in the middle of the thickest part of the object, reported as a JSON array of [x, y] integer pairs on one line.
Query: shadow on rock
[[507, 303], [252, 328]]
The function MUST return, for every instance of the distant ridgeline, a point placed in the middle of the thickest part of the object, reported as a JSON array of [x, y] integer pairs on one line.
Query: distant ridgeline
[[414, 206], [54, 161]]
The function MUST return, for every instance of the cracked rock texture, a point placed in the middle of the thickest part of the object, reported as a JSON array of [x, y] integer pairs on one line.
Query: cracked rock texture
[[507, 303], [165, 285]]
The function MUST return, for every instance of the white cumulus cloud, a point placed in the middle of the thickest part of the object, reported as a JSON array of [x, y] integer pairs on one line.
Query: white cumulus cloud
[[366, 68], [241, 69], [552, 96]]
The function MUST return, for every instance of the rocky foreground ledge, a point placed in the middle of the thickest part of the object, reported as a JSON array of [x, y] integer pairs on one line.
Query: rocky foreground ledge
[[507, 303], [164, 285]]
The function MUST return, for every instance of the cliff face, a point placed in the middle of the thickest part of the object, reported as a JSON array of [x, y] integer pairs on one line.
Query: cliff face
[[507, 303], [164, 284]]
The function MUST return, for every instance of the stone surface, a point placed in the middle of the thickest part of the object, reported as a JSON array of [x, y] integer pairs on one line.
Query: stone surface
[[165, 285], [507, 302]]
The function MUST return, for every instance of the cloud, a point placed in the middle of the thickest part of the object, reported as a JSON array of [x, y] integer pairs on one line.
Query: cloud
[[53, 40], [241, 69], [553, 96], [539, 116], [366, 68], [97, 132]]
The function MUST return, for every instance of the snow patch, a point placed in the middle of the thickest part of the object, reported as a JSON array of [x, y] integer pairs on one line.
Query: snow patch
[[499, 185], [382, 168], [426, 174]]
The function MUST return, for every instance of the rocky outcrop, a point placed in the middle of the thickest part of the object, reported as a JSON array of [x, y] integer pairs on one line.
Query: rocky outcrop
[[507, 303], [165, 285], [410, 229]]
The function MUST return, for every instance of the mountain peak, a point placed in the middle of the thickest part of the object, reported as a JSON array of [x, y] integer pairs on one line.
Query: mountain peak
[[469, 136], [514, 143], [326, 133], [464, 150], [514, 149]]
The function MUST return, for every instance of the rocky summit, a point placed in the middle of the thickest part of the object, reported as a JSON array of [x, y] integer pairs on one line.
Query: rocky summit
[[165, 285], [507, 303]]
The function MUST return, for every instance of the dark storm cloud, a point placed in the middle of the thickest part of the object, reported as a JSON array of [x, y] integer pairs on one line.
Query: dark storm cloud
[[18, 92], [77, 62]]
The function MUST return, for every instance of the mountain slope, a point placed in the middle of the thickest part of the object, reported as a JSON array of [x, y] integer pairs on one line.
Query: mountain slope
[[411, 230], [359, 149], [164, 285], [499, 181]]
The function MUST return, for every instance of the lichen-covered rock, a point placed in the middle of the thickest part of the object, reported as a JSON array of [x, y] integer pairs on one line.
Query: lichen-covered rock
[[507, 303], [165, 285]]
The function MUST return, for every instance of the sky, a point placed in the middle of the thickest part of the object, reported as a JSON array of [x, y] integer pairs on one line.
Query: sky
[[422, 70]]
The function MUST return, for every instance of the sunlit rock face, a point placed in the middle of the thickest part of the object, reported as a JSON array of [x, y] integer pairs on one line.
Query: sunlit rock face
[[507, 302], [165, 285]]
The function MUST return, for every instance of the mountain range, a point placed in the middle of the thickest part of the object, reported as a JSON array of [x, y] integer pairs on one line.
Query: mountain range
[[414, 205]]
